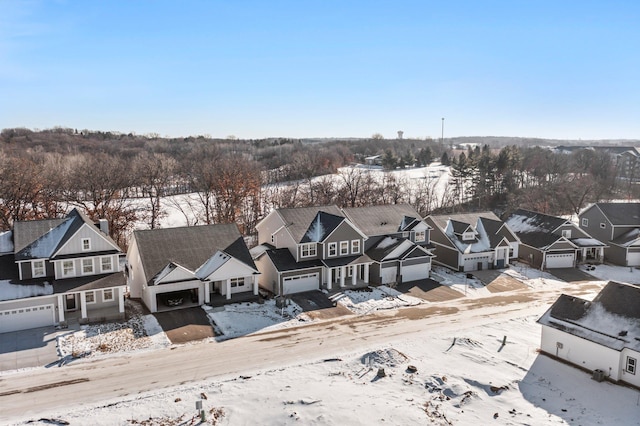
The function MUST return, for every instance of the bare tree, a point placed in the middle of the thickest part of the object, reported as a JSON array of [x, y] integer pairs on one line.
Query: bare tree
[[153, 174]]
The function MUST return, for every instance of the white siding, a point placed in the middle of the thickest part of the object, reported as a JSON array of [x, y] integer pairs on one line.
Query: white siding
[[98, 241], [136, 279]]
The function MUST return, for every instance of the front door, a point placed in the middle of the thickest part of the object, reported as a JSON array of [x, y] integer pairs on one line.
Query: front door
[[71, 302]]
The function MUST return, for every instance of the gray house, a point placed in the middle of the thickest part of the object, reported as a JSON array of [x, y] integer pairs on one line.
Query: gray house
[[472, 241], [548, 242], [618, 225], [60, 270]]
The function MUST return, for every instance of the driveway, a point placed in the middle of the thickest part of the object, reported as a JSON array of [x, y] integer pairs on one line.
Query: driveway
[[36, 347], [429, 290], [496, 282], [571, 275], [185, 325], [317, 305]]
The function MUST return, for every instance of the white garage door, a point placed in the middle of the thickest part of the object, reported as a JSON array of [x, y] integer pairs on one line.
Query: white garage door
[[25, 318], [633, 258], [415, 272], [301, 283], [560, 260], [388, 275]]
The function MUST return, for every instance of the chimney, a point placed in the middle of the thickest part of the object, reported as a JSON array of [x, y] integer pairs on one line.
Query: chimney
[[103, 224]]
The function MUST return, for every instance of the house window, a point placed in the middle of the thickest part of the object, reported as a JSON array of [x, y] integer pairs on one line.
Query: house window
[[344, 247], [90, 297], [38, 268], [308, 250], [566, 233], [585, 222], [107, 295], [237, 282], [87, 266], [355, 246], [106, 265], [349, 271], [631, 365], [603, 225], [467, 236], [420, 236], [333, 249], [68, 268], [86, 244], [405, 235]]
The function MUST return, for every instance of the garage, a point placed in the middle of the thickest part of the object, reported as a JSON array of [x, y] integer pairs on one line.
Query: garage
[[477, 263], [415, 272], [633, 258], [26, 318], [560, 260], [300, 283], [176, 299], [388, 275]]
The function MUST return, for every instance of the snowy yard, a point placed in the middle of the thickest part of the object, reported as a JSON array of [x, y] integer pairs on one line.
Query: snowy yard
[[362, 302]]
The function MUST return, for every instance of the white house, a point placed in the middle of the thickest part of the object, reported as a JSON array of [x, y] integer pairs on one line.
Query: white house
[[600, 335]]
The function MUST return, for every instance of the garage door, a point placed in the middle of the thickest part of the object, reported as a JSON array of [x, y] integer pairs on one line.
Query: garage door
[[633, 258], [389, 275], [560, 260], [415, 272], [301, 283], [25, 318]]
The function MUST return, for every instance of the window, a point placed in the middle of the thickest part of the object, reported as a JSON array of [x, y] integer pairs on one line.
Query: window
[[90, 297], [237, 282], [631, 365], [344, 247], [405, 234], [603, 225], [106, 265], [273, 238], [468, 236], [38, 268], [585, 222], [308, 250], [68, 268], [420, 236], [87, 266], [86, 244], [355, 246], [349, 271], [107, 295], [333, 249], [566, 233]]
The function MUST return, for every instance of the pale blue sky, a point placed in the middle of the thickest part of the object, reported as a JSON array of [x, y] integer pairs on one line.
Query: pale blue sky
[[556, 69]]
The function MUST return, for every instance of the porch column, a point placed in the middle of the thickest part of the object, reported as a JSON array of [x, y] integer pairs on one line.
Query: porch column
[[83, 304], [354, 274], [343, 272], [366, 273], [120, 295], [329, 278], [256, 286], [228, 285], [207, 291], [60, 307]]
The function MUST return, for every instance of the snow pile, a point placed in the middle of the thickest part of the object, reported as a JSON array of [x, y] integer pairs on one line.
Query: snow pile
[[9, 291], [384, 358], [470, 287], [240, 319], [364, 301]]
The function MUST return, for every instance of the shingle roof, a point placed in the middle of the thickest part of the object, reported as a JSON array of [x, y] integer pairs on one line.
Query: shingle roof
[[627, 238], [297, 220], [621, 213], [26, 232], [321, 226], [284, 261], [465, 218], [188, 246], [383, 219]]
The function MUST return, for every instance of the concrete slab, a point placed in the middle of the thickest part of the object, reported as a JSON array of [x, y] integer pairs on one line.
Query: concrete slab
[[318, 305], [428, 290], [497, 282], [571, 275], [36, 347], [185, 325]]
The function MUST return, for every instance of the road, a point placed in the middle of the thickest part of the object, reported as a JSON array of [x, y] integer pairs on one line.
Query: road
[[34, 393]]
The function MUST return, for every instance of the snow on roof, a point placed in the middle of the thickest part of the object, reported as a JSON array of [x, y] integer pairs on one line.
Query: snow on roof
[[212, 265], [44, 246], [480, 244], [522, 224], [628, 238], [587, 242], [316, 230], [386, 242], [9, 291], [6, 242]]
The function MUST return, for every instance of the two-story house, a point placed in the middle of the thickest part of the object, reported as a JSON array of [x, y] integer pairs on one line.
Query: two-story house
[[398, 242], [472, 241], [173, 268], [304, 249], [618, 226], [548, 242], [60, 270]]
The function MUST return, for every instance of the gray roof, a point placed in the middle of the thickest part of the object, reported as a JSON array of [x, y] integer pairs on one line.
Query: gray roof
[[190, 246], [284, 261], [621, 213], [26, 232], [297, 220], [383, 219], [465, 218]]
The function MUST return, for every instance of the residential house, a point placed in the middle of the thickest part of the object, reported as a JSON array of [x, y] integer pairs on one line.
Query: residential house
[[59, 270], [548, 242], [174, 268], [304, 249], [602, 336], [398, 242], [617, 225], [472, 241]]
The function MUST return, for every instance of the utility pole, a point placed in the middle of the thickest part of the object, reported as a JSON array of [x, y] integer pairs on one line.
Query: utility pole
[[442, 134]]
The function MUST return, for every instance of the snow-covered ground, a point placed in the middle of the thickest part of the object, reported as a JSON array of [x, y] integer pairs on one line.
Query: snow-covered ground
[[615, 273], [362, 302]]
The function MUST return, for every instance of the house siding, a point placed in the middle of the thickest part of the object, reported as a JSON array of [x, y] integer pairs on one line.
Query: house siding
[[531, 255], [98, 242], [268, 277], [374, 273], [344, 232], [136, 278], [616, 254], [595, 218], [446, 256]]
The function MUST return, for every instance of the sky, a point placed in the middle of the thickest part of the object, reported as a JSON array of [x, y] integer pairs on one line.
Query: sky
[[323, 68]]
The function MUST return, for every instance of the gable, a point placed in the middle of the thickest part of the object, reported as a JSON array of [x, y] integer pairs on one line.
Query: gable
[[343, 232], [230, 269], [172, 273], [561, 244], [97, 239]]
